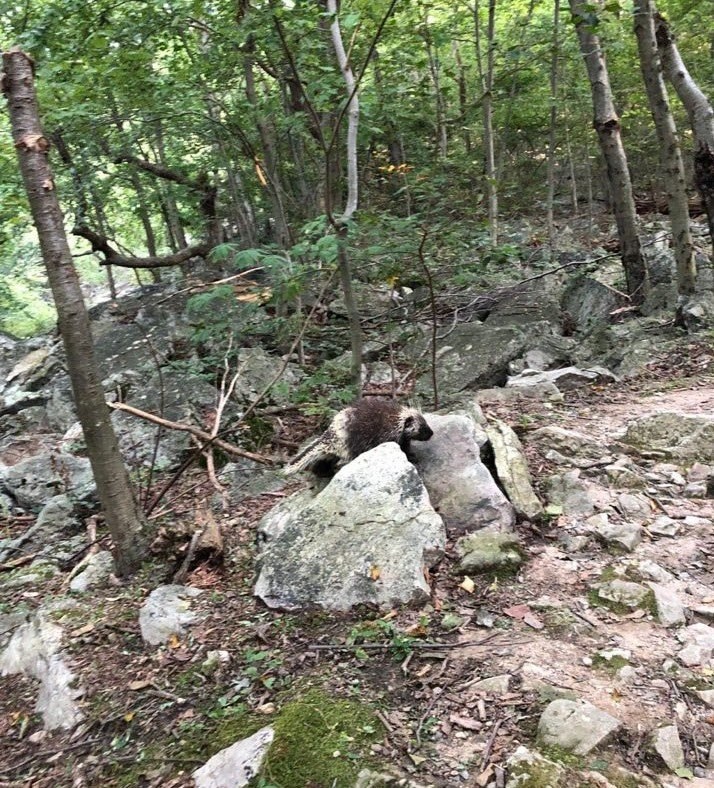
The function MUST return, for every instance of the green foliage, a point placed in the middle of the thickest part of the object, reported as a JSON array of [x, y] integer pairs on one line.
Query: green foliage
[[381, 631]]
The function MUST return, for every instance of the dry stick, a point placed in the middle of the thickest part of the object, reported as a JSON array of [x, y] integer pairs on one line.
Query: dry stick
[[423, 717], [229, 448], [180, 575], [491, 740], [205, 285], [418, 645]]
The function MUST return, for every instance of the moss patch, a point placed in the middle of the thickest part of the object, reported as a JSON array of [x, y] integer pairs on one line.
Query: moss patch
[[319, 741]]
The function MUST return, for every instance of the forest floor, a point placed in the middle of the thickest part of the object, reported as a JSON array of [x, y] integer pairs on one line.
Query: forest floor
[[155, 714]]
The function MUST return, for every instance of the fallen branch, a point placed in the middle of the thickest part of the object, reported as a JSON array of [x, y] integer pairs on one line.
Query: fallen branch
[[229, 448], [415, 645]]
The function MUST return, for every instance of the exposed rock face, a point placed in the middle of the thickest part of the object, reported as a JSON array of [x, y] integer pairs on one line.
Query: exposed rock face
[[34, 650], [459, 484], [677, 435], [366, 538], [34, 480], [565, 379], [589, 303]]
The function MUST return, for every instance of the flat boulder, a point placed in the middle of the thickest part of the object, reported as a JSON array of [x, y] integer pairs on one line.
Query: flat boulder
[[367, 537]]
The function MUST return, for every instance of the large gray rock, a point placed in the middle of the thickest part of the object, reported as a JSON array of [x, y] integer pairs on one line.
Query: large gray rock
[[670, 610], [589, 303], [512, 469], [667, 744], [570, 492], [460, 486], [566, 379], [472, 356], [257, 370], [34, 480], [237, 765], [487, 551], [34, 650], [576, 726], [698, 642], [366, 538], [166, 612], [679, 436], [97, 571]]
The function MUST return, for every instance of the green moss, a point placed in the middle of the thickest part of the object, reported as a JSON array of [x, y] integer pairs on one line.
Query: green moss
[[319, 741], [562, 756], [613, 664]]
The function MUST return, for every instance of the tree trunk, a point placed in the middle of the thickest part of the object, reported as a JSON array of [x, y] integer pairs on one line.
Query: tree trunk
[[552, 138], [118, 503], [433, 59], [352, 193], [701, 116], [607, 126], [669, 151], [486, 79]]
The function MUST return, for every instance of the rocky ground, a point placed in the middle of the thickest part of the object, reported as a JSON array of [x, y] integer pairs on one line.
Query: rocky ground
[[596, 653]]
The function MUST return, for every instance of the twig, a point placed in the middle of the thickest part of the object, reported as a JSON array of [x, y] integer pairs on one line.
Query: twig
[[424, 716], [229, 448], [46, 753], [432, 299], [180, 575], [14, 545], [491, 740], [416, 645]]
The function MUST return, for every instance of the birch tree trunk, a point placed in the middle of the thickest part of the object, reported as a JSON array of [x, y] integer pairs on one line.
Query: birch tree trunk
[[352, 193], [486, 79], [607, 126], [118, 503], [701, 116], [669, 150]]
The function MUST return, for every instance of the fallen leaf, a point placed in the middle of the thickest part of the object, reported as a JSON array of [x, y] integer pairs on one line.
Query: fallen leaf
[[517, 611], [173, 641], [139, 684], [417, 760], [129, 716], [468, 585], [375, 573], [75, 633], [533, 621]]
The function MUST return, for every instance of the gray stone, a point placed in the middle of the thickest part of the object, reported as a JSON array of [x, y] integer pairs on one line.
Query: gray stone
[[97, 571], [512, 469], [680, 436], [667, 744], [698, 311], [473, 356], [653, 571], [366, 538], [625, 535], [698, 642], [34, 480], [699, 472], [670, 610], [589, 303], [634, 506], [34, 650], [497, 685], [542, 392], [576, 726], [571, 493], [166, 612], [707, 696], [566, 379], [623, 477], [459, 484], [245, 478], [664, 526], [623, 592], [527, 768], [488, 550], [258, 369], [237, 765]]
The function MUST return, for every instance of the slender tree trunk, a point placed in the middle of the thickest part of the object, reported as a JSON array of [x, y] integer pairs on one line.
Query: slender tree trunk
[[352, 193], [442, 139], [669, 151], [607, 126], [486, 79], [701, 117], [174, 225], [118, 503], [463, 96], [552, 136]]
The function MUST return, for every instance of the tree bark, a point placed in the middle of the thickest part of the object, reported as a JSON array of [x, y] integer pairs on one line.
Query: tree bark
[[669, 150], [701, 116], [486, 78], [607, 126], [352, 193], [117, 499], [434, 69]]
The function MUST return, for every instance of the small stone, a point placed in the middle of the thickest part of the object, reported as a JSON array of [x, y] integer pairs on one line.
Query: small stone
[[707, 611], [664, 526], [215, 658], [166, 612], [614, 654], [626, 535], [497, 685], [699, 644], [573, 544], [699, 472], [707, 696], [575, 725], [627, 674], [652, 571], [623, 592], [667, 744], [237, 765], [670, 610], [97, 571], [695, 490], [634, 507], [487, 550]]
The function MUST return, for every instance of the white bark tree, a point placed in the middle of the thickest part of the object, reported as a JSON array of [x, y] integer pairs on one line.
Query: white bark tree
[[669, 150], [607, 126]]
